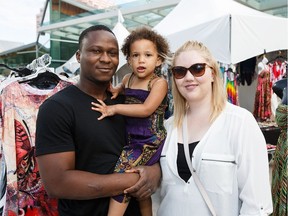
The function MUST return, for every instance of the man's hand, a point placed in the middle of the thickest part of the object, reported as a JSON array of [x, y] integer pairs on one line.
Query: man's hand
[[115, 90], [147, 184]]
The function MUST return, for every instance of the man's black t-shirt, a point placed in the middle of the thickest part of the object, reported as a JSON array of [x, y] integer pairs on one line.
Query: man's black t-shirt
[[66, 122]]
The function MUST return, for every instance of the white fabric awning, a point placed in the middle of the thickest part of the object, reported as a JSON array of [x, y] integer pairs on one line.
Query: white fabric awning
[[232, 31]]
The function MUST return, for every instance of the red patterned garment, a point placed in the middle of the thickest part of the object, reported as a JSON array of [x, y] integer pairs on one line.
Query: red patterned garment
[[22, 191], [277, 70], [262, 104]]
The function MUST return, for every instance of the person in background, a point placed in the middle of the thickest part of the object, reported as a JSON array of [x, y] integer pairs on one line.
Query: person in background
[[144, 108], [77, 154], [280, 157], [220, 142]]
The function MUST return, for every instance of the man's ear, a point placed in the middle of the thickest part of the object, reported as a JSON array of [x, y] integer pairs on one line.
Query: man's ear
[[78, 56]]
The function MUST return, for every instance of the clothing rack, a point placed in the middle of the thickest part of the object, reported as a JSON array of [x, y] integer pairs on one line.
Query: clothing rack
[[279, 57], [18, 71]]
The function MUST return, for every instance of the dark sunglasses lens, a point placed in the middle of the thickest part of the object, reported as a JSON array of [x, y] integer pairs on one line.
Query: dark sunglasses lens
[[179, 72], [197, 69]]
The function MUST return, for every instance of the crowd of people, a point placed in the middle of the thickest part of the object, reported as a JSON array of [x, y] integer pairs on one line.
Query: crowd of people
[[104, 150]]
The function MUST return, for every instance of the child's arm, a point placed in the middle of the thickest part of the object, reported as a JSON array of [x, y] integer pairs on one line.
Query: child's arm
[[153, 101]]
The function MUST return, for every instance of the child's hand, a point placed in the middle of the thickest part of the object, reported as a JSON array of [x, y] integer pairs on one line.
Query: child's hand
[[103, 108]]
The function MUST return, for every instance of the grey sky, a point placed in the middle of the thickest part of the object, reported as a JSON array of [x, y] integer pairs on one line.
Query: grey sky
[[18, 20]]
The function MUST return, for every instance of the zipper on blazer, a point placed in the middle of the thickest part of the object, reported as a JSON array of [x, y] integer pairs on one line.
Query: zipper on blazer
[[222, 161]]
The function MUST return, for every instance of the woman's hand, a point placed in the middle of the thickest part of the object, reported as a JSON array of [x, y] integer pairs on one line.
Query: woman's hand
[[103, 108], [147, 184]]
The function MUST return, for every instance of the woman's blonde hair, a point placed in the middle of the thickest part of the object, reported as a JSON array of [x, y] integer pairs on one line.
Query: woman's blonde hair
[[219, 97]]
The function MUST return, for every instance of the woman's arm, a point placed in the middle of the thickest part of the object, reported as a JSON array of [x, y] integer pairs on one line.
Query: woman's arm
[[253, 170]]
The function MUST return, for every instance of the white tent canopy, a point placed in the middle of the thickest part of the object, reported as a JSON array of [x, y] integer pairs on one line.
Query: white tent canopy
[[232, 31], [70, 67], [121, 33]]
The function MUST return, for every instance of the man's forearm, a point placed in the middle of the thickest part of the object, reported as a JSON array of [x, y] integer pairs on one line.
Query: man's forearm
[[83, 185]]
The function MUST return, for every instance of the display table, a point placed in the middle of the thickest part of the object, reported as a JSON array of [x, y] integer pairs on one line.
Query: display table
[[271, 133]]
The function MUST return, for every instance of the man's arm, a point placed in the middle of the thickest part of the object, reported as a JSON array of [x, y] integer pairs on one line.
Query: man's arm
[[61, 180]]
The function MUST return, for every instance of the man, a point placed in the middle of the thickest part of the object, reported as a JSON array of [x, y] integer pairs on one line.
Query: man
[[77, 153]]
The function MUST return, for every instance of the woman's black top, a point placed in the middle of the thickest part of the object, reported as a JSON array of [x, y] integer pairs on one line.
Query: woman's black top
[[182, 166]]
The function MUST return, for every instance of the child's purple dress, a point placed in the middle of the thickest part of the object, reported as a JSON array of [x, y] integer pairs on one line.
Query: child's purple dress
[[146, 136]]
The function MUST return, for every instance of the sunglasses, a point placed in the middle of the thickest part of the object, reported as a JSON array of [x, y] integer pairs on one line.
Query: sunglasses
[[197, 70]]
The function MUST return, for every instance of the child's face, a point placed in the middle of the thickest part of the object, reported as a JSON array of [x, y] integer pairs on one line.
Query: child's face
[[144, 58]]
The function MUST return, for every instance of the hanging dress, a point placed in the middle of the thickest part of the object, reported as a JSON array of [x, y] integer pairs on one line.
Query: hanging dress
[[280, 168], [231, 86], [262, 103], [22, 191]]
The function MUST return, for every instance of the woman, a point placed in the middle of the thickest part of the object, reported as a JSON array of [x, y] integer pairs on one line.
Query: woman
[[227, 147]]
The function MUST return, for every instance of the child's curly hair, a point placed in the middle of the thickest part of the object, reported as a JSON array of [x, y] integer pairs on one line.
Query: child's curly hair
[[147, 34]]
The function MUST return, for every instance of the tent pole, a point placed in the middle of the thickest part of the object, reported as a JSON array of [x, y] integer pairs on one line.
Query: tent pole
[[230, 37]]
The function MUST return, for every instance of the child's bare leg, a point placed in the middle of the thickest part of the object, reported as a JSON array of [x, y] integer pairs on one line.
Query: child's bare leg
[[117, 208], [146, 207]]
